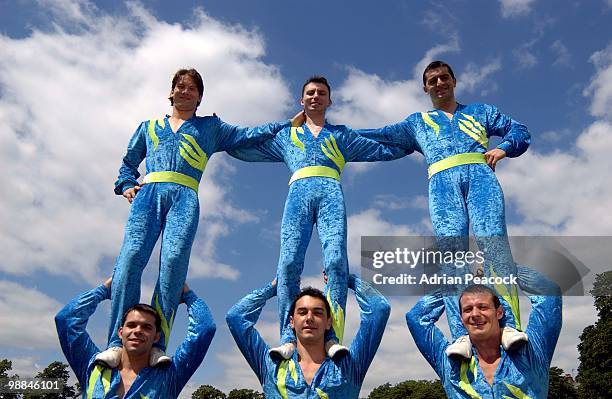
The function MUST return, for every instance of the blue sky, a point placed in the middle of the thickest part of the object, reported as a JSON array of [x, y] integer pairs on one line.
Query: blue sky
[[77, 77]]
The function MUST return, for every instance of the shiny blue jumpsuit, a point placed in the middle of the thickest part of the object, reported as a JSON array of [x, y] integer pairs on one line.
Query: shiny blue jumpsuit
[[168, 205], [315, 197], [463, 189], [521, 373], [98, 382], [337, 378]]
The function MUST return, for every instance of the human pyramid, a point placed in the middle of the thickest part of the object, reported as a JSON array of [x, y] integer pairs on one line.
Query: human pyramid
[[491, 355]]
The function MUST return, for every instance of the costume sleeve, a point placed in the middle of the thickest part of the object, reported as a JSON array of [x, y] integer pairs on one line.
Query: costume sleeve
[[363, 149], [546, 311], [230, 137], [398, 134], [136, 152], [71, 324], [374, 310], [241, 320], [270, 150], [200, 332], [515, 136], [429, 339]]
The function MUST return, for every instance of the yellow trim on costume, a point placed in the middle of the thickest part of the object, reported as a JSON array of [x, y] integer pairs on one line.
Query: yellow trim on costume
[[143, 396], [151, 131], [314, 171], [333, 152], [464, 382], [511, 298], [106, 380], [337, 318], [321, 394], [516, 391], [281, 378], [295, 139], [193, 154], [427, 119], [165, 325], [172, 177], [455, 160], [474, 129]]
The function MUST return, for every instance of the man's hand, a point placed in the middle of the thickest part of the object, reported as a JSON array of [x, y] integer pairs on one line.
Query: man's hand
[[185, 290], [274, 282], [130, 193], [299, 119], [108, 282], [493, 156], [324, 277]]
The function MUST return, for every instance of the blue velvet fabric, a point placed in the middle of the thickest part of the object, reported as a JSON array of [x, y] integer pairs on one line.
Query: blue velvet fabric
[[336, 378], [521, 373], [152, 383], [314, 200], [169, 209], [465, 195]]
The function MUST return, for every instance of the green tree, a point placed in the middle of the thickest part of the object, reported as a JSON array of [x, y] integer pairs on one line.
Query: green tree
[[595, 370], [6, 366], [56, 370], [560, 387], [208, 392], [245, 394], [410, 389]]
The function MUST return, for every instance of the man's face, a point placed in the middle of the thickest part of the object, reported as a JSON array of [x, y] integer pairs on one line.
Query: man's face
[[138, 333], [479, 316], [315, 98], [310, 320], [439, 84], [185, 95]]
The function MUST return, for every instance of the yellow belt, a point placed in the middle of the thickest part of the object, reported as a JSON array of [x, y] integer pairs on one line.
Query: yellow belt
[[312, 171], [455, 160], [172, 177]]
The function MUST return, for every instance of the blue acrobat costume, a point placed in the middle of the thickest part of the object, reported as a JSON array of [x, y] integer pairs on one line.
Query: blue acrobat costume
[[167, 204], [100, 382], [315, 197], [463, 189], [337, 378], [521, 373]]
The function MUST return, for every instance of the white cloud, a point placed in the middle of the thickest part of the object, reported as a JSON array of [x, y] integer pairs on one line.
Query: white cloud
[[20, 309], [525, 56], [563, 56], [475, 76], [600, 89], [70, 99], [514, 8]]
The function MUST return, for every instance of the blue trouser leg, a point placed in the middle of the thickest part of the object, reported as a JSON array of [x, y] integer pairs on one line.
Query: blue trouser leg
[[296, 230], [177, 238], [141, 232], [449, 217], [331, 226], [485, 201]]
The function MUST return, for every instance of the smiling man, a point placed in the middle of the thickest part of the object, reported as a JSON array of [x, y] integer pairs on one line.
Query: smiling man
[[140, 329], [491, 372], [310, 372], [463, 189], [177, 148], [315, 153]]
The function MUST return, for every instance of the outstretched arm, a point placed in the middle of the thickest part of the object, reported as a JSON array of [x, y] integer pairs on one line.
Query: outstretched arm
[[374, 310], [364, 149], [200, 332], [546, 311], [241, 320], [398, 134], [429, 339], [230, 137], [136, 152], [270, 150], [71, 324]]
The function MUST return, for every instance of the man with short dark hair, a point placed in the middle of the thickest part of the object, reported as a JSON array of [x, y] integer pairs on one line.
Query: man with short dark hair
[[310, 372], [177, 148], [492, 371], [139, 330], [463, 189], [315, 153]]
